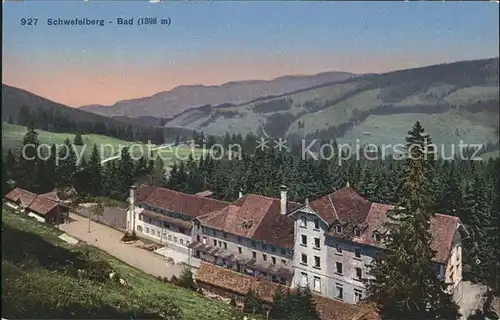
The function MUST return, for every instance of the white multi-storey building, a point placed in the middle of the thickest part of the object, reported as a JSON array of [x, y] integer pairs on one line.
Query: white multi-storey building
[[326, 244]]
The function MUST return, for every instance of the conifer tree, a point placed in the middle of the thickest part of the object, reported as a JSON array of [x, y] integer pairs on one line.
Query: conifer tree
[[125, 171], [67, 165], [78, 140], [94, 170], [252, 303], [28, 160], [406, 284]]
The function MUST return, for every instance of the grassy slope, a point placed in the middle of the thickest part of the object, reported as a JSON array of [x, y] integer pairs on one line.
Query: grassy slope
[[12, 137], [37, 285], [460, 84]]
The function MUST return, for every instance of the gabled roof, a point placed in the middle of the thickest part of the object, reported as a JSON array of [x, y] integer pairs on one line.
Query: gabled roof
[[344, 204], [241, 284], [442, 228], [21, 195], [53, 195], [42, 205], [254, 217], [187, 204]]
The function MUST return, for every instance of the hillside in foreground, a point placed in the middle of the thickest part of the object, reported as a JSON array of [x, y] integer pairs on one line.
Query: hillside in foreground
[[40, 279], [455, 101]]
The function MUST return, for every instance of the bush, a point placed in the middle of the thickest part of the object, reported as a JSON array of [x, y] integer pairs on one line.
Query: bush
[[129, 237], [186, 279], [174, 280]]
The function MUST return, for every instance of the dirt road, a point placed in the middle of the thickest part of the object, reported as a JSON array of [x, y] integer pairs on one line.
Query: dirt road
[[108, 239]]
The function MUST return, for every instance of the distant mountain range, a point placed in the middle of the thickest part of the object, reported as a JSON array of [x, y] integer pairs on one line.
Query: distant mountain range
[[168, 104], [455, 101]]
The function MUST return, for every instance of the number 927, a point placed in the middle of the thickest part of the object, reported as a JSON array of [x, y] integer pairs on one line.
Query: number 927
[[29, 22]]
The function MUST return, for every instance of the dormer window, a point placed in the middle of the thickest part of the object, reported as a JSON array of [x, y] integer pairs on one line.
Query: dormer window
[[338, 228], [303, 222], [377, 236], [357, 232]]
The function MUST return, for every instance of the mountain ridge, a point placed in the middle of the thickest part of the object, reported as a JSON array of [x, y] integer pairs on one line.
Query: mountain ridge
[[456, 100], [169, 103]]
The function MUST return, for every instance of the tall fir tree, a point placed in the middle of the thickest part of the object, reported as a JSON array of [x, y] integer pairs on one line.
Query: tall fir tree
[[67, 165], [29, 160], [406, 284], [94, 170]]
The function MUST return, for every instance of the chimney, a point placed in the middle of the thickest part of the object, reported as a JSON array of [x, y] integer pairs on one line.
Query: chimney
[[240, 195], [283, 200], [131, 210]]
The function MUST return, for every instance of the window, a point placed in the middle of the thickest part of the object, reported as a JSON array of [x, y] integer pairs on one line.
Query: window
[[239, 240], [317, 284], [340, 291], [220, 243], [157, 233], [283, 251], [239, 250], [358, 295], [377, 237], [338, 228], [273, 259], [198, 238], [215, 243], [139, 228], [204, 239], [317, 262], [253, 244], [175, 239], [214, 232], [150, 220], [283, 262], [203, 229], [264, 257], [339, 249], [304, 279], [339, 267], [359, 273], [303, 222], [169, 238], [273, 249], [224, 235], [316, 224], [357, 253], [357, 233], [187, 243], [225, 245], [147, 230], [181, 241], [254, 254], [303, 259], [304, 240], [264, 246], [316, 243]]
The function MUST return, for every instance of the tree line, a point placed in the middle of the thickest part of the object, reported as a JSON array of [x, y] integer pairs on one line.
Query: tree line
[[56, 121]]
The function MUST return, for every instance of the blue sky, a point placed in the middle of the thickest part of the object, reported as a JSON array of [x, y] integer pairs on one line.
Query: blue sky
[[243, 40]]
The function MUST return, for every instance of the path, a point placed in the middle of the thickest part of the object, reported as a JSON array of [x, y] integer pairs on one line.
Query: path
[[108, 239], [152, 149]]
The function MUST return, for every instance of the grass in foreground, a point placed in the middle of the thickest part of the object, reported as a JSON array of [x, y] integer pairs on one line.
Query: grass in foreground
[[40, 279]]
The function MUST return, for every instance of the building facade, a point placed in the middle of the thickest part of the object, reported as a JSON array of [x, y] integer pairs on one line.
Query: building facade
[[326, 244]]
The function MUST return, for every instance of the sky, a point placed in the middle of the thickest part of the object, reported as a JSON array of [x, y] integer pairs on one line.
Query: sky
[[212, 43]]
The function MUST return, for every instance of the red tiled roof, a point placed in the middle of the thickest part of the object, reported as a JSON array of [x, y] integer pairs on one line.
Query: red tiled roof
[[255, 217], [442, 228], [183, 203], [342, 204], [24, 196], [241, 284], [53, 195], [42, 205]]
